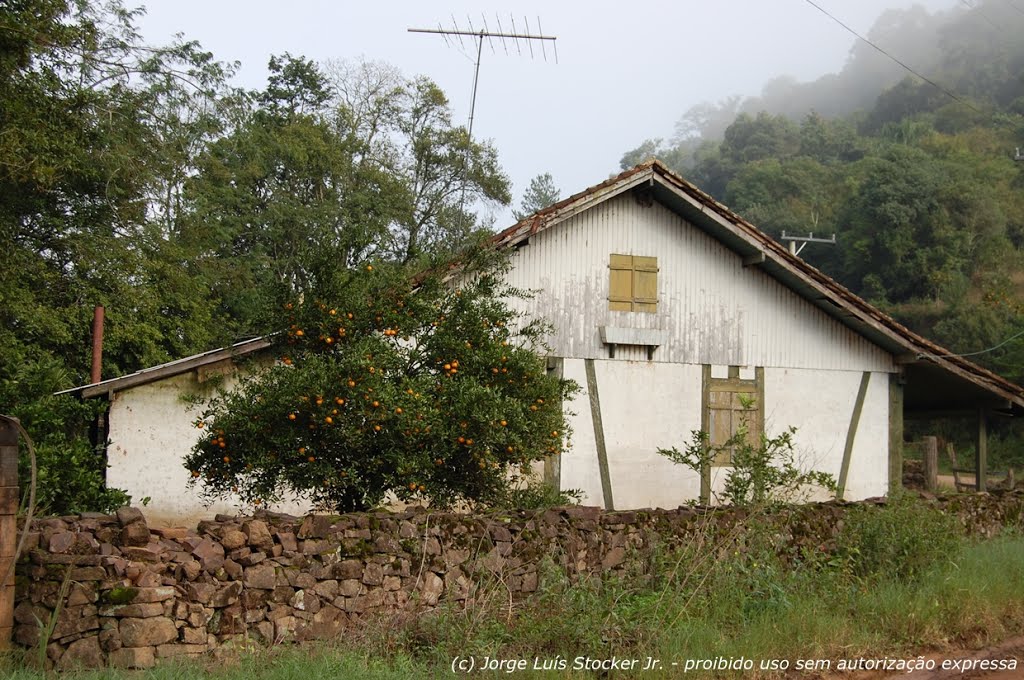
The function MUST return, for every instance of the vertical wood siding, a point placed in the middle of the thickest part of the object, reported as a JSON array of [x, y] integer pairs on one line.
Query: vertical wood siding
[[715, 310]]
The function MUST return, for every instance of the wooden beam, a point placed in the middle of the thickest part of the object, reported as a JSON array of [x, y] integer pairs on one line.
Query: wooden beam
[[705, 427], [553, 464], [755, 259], [931, 463], [851, 433], [602, 450], [8, 526], [895, 433], [981, 452]]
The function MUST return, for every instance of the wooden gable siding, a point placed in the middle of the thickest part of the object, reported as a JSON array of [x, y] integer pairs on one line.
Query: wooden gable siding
[[715, 310]]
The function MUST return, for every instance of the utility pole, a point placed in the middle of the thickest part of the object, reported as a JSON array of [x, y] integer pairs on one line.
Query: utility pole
[[505, 38], [1016, 155], [804, 240]]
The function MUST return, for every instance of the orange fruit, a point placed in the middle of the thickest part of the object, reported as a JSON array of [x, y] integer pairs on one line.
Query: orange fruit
[[299, 333], [504, 423], [329, 420], [398, 410], [311, 459], [376, 428]]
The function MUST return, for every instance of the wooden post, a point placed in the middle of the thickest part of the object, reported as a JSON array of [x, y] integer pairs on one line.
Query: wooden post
[[931, 463], [8, 525], [895, 433], [981, 452]]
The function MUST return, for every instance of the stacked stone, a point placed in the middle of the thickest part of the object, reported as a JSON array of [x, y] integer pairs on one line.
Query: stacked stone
[[106, 589]]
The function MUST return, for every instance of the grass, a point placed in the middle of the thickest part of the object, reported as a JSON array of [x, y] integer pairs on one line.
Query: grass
[[901, 582]]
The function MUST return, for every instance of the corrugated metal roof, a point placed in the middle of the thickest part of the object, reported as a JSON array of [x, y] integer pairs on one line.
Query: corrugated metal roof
[[743, 237], [171, 368]]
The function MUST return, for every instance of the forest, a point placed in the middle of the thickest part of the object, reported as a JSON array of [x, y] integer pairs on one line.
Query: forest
[[141, 178]]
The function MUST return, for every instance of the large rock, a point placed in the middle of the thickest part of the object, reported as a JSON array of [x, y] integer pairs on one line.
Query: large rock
[[136, 534], [432, 588], [258, 534], [227, 595], [133, 657], [147, 632], [261, 576], [129, 515], [83, 653], [233, 540]]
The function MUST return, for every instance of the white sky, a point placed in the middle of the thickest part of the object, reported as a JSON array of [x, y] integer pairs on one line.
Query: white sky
[[625, 71]]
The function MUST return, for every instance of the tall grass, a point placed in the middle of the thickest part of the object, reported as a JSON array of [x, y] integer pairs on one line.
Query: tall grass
[[900, 580]]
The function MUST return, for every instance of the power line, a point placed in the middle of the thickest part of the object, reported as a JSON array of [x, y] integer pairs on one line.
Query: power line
[[908, 68], [969, 4], [1014, 6], [973, 354]]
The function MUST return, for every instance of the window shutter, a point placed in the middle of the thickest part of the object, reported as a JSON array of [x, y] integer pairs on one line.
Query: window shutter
[[733, 404], [645, 284], [620, 283], [633, 283]]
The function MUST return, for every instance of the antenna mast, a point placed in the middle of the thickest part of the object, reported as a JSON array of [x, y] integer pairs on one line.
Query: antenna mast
[[804, 240], [514, 36]]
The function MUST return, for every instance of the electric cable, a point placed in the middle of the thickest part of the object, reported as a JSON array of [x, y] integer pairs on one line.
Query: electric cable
[[928, 80]]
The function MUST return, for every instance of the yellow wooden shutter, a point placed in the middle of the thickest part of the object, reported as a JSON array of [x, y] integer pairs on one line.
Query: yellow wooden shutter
[[645, 284], [733, 405], [633, 283], [620, 283]]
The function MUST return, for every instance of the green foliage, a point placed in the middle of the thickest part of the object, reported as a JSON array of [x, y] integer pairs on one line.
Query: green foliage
[[538, 495], [902, 540], [541, 193], [386, 386], [70, 476], [760, 472]]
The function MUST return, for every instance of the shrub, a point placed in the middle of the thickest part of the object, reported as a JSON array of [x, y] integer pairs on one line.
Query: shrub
[[70, 475], [759, 473], [387, 385], [901, 539]]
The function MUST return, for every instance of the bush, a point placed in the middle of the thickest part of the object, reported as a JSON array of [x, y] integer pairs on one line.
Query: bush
[[901, 539], [760, 472], [389, 386], [71, 473]]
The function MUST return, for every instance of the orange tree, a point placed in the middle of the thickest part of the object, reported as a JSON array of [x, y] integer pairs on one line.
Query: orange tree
[[420, 390]]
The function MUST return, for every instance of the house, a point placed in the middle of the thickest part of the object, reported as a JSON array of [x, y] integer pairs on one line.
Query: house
[[674, 314]]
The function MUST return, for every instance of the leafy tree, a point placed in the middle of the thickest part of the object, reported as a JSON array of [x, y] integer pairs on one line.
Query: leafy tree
[[541, 193], [404, 126], [389, 385], [282, 201], [80, 162]]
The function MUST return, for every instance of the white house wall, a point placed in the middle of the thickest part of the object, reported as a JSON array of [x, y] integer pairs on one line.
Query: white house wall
[[715, 310], [819, 404], [151, 432], [649, 405]]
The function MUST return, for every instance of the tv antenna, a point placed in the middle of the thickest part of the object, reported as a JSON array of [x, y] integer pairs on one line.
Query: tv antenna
[[804, 240], [517, 37]]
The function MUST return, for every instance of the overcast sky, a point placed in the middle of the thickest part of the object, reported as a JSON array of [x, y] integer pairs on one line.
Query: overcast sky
[[626, 71]]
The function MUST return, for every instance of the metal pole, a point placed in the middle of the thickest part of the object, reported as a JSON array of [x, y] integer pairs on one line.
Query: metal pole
[[97, 344]]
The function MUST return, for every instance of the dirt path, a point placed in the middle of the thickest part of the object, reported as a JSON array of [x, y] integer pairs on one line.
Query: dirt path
[[962, 665]]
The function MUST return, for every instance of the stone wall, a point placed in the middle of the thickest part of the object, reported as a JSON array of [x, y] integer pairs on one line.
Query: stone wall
[[117, 592]]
